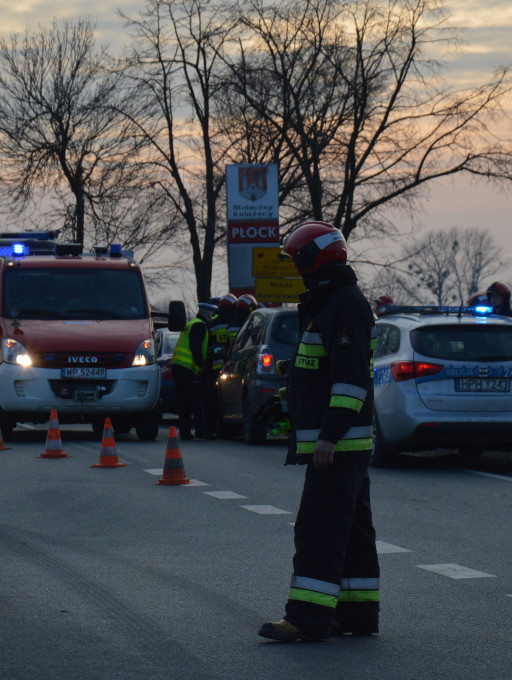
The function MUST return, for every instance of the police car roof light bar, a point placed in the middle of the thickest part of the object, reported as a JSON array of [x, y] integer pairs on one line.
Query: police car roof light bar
[[434, 309], [39, 235]]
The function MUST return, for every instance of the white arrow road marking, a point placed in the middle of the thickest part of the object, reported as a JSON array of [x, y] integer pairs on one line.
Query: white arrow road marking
[[389, 548], [455, 571], [265, 510], [223, 495]]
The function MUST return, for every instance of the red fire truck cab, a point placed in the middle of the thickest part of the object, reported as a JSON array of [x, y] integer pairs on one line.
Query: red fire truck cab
[[76, 335]]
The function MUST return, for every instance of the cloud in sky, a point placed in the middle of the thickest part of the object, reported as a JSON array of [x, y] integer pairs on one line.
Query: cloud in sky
[[486, 27]]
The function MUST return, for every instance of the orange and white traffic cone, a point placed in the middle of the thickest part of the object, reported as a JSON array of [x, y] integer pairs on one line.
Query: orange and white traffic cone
[[2, 447], [53, 441], [173, 472], [108, 454]]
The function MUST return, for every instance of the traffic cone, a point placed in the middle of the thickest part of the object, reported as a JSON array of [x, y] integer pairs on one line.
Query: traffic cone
[[53, 440], [173, 472], [2, 447], [108, 454]]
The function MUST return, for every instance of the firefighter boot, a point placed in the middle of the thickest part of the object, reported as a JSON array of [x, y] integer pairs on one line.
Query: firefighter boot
[[348, 619], [284, 631]]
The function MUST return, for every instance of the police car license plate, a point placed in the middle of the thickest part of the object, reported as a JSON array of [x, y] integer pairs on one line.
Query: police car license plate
[[84, 372], [482, 385]]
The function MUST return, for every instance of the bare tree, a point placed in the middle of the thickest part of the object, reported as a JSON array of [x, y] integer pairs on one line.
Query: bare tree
[[283, 99], [172, 71], [442, 267], [360, 118], [61, 136]]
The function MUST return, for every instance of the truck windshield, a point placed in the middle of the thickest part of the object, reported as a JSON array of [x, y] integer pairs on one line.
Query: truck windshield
[[79, 293]]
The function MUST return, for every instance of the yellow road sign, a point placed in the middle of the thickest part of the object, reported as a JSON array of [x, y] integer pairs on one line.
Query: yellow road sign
[[266, 262], [279, 289]]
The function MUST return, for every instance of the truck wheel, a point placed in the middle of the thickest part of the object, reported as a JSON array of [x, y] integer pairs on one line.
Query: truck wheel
[[471, 450], [7, 425], [98, 425], [382, 454], [148, 425], [253, 434]]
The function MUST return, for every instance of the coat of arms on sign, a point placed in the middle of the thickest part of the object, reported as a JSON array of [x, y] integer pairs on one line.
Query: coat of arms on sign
[[252, 183]]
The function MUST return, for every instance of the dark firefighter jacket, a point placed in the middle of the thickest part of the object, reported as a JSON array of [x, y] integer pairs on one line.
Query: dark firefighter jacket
[[330, 380]]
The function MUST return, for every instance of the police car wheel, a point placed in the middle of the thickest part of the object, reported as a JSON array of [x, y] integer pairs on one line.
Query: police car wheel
[[253, 433], [382, 455]]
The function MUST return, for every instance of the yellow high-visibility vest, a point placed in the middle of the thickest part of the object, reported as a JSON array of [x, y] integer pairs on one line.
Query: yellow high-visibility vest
[[182, 354]]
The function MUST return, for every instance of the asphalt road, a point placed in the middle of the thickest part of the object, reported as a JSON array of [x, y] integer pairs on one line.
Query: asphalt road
[[106, 575]]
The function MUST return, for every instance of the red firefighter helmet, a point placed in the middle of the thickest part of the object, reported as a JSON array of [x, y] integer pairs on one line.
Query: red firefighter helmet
[[315, 244], [477, 299], [228, 302], [247, 303], [500, 288], [383, 300]]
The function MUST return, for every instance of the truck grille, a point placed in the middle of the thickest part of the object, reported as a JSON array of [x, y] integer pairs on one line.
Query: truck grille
[[68, 389], [61, 359]]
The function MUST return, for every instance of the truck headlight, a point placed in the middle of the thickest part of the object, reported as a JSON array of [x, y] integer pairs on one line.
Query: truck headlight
[[15, 353], [145, 353]]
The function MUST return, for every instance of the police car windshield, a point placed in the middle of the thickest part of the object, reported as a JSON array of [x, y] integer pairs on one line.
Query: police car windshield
[[464, 343], [75, 293]]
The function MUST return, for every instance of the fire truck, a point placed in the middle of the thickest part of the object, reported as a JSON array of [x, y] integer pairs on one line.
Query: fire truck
[[76, 335]]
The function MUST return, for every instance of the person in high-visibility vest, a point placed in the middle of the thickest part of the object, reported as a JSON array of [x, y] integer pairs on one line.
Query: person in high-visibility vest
[[188, 367]]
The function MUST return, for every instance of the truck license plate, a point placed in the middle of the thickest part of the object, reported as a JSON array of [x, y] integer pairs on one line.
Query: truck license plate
[[84, 372], [482, 385]]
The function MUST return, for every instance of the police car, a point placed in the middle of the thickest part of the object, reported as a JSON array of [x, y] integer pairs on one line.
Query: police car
[[442, 380]]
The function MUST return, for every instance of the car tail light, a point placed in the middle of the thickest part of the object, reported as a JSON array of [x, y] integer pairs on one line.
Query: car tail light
[[407, 370], [266, 363]]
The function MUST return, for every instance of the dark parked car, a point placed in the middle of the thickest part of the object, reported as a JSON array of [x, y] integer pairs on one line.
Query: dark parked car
[[165, 341], [248, 377]]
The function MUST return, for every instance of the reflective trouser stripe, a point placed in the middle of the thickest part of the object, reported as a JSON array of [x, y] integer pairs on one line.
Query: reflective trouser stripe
[[313, 590], [359, 596], [346, 402], [359, 590], [314, 597], [359, 583]]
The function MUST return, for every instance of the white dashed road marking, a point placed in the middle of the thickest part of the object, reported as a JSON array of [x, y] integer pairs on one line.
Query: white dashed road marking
[[489, 474], [265, 510], [455, 571], [389, 548], [223, 495]]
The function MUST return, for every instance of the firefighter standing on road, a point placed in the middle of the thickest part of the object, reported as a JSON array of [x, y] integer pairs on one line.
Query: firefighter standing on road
[[188, 367], [245, 304], [335, 583], [381, 302], [217, 352], [498, 295], [219, 341]]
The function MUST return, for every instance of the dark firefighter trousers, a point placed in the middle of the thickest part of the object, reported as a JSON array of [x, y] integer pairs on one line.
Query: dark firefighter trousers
[[191, 396], [336, 568]]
